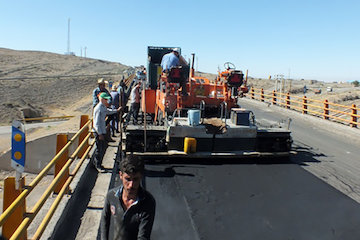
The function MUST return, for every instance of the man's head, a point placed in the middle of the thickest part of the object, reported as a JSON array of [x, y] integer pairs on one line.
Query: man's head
[[101, 83], [131, 172], [176, 51], [113, 88], [103, 98]]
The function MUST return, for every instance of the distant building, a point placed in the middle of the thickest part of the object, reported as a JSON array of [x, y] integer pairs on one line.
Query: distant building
[[70, 53]]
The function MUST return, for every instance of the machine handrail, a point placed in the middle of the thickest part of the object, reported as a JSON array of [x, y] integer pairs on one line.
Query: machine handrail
[[222, 110]]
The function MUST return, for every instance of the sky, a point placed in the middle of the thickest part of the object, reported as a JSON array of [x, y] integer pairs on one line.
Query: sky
[[307, 39]]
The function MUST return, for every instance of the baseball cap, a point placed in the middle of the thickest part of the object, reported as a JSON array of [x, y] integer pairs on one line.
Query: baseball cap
[[104, 95]]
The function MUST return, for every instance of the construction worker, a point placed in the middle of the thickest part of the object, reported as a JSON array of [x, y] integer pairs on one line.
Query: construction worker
[[174, 59], [170, 60], [101, 88], [129, 210], [134, 103], [100, 131], [115, 104]]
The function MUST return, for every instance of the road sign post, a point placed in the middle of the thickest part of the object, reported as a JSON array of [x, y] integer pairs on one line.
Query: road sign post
[[18, 149]]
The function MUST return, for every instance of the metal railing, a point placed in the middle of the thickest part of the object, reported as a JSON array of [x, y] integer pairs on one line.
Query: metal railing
[[84, 147], [319, 108], [45, 118]]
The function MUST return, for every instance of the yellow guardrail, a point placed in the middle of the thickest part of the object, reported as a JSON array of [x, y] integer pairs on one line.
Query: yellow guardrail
[[45, 118], [83, 149], [320, 108]]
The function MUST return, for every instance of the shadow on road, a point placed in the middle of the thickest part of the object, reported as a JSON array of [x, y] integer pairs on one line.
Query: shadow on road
[[167, 173], [69, 223], [305, 154]]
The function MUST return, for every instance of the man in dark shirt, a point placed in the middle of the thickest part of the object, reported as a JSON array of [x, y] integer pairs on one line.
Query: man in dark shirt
[[129, 209], [101, 88]]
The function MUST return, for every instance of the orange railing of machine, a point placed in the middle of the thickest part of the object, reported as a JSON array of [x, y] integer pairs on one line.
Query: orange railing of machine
[[59, 185], [319, 108]]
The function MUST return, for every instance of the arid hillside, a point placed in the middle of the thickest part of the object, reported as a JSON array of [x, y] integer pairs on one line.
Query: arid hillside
[[47, 84], [42, 83]]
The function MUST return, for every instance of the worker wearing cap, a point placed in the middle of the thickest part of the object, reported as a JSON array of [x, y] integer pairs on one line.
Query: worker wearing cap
[[174, 59], [99, 115], [101, 88], [170, 60]]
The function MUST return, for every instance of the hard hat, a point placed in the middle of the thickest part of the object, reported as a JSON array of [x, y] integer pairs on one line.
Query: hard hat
[[176, 49], [101, 81]]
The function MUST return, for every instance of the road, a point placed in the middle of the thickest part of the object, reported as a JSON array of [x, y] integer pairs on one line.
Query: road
[[314, 195], [5, 132], [310, 196]]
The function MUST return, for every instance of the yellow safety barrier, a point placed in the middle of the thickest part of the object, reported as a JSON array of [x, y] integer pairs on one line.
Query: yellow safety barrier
[[83, 120], [16, 217], [45, 118], [320, 108], [61, 140], [189, 145], [61, 183]]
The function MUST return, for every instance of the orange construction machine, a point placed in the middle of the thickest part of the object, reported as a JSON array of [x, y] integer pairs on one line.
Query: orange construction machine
[[185, 115], [166, 94]]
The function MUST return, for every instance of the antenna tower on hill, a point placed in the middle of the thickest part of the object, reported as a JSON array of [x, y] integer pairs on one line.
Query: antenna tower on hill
[[68, 41]]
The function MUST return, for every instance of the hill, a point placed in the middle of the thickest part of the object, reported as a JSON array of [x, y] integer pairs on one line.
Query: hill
[[47, 84], [40, 83]]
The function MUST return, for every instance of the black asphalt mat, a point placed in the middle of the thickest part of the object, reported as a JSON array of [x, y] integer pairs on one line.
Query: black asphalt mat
[[248, 201]]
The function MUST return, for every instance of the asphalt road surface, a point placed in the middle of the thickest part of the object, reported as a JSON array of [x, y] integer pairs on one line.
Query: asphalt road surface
[[262, 199]]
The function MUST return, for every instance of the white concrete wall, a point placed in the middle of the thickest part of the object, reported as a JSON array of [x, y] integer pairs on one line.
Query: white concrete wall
[[39, 152]]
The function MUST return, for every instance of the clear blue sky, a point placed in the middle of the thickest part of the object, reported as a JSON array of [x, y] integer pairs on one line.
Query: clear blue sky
[[311, 39]]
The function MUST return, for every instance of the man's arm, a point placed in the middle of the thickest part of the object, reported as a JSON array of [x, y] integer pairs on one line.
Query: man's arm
[[146, 222], [110, 111], [105, 220]]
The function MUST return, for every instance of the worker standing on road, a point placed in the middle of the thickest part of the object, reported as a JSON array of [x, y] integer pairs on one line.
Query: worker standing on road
[[115, 105], [129, 210], [99, 115], [121, 90], [101, 88], [135, 103]]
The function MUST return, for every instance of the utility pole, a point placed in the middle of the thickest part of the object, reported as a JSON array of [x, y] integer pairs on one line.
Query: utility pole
[[68, 42], [290, 81], [85, 52], [80, 51]]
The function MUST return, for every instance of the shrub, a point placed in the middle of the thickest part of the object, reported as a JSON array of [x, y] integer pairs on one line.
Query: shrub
[[356, 83]]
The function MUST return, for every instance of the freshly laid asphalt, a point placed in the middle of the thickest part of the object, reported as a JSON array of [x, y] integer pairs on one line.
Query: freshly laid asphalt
[[248, 201], [250, 198], [257, 199], [254, 198]]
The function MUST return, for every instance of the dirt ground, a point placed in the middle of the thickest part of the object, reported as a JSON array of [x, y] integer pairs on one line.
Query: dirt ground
[[48, 84]]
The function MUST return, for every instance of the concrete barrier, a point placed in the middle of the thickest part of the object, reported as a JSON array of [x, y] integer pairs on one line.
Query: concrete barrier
[[39, 152]]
